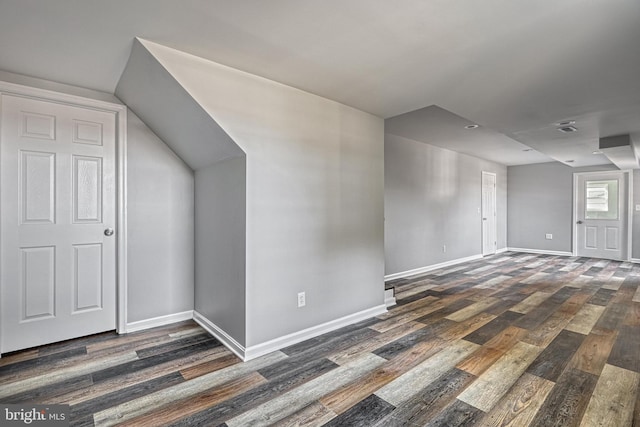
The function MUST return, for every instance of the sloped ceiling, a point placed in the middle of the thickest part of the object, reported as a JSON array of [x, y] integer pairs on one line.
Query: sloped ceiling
[[514, 67]]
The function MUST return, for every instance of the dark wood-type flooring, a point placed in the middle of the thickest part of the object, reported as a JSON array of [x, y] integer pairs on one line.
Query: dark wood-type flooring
[[513, 339]]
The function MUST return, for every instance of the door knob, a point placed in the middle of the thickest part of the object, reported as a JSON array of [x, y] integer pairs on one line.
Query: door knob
[[108, 232], [578, 222]]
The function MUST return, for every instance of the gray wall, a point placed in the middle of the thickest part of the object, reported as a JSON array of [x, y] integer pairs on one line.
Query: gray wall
[[432, 198], [540, 201], [220, 245], [160, 215], [315, 195]]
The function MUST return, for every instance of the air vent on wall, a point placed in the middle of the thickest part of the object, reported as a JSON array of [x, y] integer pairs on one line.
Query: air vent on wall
[[568, 129]]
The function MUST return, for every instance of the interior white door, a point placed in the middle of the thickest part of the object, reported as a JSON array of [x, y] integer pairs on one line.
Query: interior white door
[[58, 211], [489, 217], [601, 210]]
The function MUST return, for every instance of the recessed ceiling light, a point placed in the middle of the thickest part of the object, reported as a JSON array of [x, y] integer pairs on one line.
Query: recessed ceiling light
[[568, 129], [528, 149], [597, 152], [566, 123], [472, 126], [569, 161]]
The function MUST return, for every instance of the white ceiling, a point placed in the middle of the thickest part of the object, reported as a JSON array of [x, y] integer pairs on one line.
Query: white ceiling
[[513, 66]]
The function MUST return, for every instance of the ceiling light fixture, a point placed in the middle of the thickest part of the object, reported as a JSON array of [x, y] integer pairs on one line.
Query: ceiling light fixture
[[528, 149], [568, 129], [566, 123], [569, 161], [472, 126]]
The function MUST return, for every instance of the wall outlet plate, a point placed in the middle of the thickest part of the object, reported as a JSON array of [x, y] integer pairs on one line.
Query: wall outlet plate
[[302, 299], [548, 236]]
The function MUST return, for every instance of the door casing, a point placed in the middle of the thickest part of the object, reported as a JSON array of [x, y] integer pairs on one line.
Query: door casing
[[121, 185], [628, 176]]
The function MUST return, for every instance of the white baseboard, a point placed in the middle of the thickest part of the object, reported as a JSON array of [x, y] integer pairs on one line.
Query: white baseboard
[[159, 321], [276, 344], [428, 268], [635, 260], [540, 251], [503, 250], [221, 335], [389, 299]]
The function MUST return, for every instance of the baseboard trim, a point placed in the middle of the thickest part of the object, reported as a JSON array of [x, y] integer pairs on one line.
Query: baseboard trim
[[428, 268], [389, 298], [276, 344], [159, 321], [503, 250], [635, 260], [540, 251], [226, 339]]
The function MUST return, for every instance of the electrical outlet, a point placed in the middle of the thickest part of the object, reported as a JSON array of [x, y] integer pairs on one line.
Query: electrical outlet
[[302, 299], [548, 236], [444, 248]]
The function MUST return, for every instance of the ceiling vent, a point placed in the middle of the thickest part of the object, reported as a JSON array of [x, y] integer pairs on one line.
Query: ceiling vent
[[568, 129]]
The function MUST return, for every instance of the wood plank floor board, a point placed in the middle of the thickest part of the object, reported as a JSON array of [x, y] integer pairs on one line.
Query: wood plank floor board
[[392, 349], [200, 408], [139, 406], [593, 353], [512, 339], [618, 385], [567, 401], [119, 396], [520, 404], [343, 356], [585, 319], [349, 394], [554, 358], [292, 401], [493, 383], [494, 327], [428, 402], [30, 366], [602, 297], [51, 391], [626, 350], [402, 388], [175, 411], [114, 383], [312, 415], [365, 413], [140, 364]]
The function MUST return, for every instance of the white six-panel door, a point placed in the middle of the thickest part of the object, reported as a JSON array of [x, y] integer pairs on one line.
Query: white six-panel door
[[58, 206]]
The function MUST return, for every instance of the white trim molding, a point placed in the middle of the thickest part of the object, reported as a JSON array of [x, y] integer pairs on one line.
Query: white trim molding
[[154, 322], [254, 351], [635, 260], [540, 251], [389, 298], [220, 334], [278, 343], [417, 271], [502, 250]]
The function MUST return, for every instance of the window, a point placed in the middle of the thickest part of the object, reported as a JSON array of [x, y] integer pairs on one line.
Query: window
[[602, 199]]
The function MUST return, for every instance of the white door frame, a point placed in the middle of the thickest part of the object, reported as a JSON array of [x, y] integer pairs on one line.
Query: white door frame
[[121, 169], [625, 174], [495, 211]]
